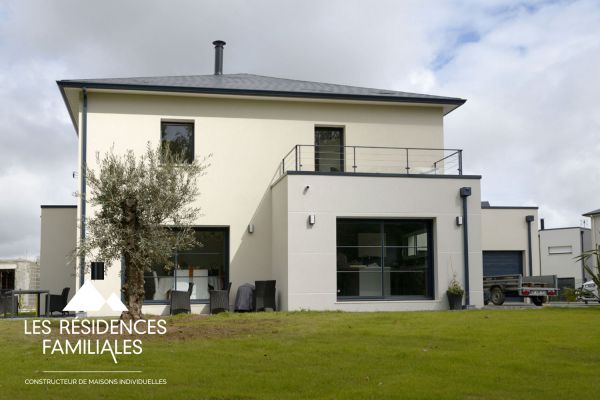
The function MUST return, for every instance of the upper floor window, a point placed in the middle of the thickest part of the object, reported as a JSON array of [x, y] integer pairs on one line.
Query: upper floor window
[[329, 149], [180, 138]]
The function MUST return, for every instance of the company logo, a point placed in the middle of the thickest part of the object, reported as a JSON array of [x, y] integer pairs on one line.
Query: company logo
[[88, 298], [89, 336]]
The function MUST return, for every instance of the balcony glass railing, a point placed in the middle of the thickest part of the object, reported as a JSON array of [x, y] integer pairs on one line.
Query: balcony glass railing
[[371, 159]]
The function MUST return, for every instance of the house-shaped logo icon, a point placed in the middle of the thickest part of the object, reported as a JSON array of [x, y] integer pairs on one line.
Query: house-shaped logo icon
[[88, 298]]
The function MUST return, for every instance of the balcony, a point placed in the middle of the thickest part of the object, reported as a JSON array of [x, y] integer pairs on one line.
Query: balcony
[[371, 160]]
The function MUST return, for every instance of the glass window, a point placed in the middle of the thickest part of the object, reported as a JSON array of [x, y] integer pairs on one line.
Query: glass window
[[384, 258], [329, 149], [206, 266], [179, 136]]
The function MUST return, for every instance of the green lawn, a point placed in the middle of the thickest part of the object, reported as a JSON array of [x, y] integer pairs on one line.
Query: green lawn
[[545, 353]]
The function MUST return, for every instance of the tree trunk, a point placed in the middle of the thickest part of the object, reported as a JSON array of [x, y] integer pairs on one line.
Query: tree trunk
[[133, 289], [134, 274]]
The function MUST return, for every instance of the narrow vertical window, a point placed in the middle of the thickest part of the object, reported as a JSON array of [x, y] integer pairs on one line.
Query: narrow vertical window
[[179, 137], [97, 271], [329, 149]]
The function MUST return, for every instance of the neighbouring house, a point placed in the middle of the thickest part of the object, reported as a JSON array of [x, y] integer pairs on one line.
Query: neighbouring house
[[595, 233], [509, 241], [558, 249], [21, 274], [344, 195], [595, 226]]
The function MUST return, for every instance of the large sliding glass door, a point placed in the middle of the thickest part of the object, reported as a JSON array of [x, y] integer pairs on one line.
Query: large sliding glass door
[[207, 266], [384, 258]]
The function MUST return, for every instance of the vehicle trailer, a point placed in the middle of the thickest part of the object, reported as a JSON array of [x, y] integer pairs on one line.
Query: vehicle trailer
[[537, 288]]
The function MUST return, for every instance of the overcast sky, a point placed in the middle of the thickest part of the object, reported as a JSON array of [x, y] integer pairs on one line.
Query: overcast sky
[[529, 70]]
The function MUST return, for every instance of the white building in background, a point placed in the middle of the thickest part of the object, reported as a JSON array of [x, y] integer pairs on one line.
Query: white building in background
[[595, 227], [344, 195], [559, 248], [20, 274]]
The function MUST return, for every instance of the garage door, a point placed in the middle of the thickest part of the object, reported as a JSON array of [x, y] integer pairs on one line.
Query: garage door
[[502, 263]]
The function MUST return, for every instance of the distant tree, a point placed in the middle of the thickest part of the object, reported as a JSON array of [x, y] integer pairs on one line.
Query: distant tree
[[138, 201]]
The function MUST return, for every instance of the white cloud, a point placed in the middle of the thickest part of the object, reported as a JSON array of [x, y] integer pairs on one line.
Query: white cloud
[[528, 70]]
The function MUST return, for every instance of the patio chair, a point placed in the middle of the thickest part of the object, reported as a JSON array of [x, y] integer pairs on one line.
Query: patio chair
[[244, 298], [8, 302], [219, 300], [180, 300], [264, 296], [56, 302]]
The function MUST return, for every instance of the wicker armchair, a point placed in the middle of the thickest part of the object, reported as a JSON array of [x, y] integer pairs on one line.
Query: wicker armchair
[[264, 296], [56, 302], [180, 300], [219, 300]]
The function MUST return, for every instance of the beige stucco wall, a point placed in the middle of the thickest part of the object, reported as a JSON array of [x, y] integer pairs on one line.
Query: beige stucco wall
[[58, 241], [247, 140], [279, 253], [563, 265], [595, 231], [311, 280], [506, 229]]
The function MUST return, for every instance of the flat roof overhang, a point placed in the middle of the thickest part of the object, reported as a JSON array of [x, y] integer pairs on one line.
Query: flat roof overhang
[[376, 175], [70, 91]]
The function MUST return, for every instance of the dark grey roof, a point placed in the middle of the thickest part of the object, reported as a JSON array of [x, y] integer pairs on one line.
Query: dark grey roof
[[489, 207], [257, 85], [589, 214]]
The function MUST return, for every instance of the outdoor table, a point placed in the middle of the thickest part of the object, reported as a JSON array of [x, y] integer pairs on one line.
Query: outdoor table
[[37, 292]]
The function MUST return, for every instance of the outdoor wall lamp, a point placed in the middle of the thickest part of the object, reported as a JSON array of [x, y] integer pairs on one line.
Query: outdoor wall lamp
[[312, 219], [251, 228]]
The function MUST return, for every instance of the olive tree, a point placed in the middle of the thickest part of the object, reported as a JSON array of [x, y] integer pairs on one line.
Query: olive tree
[[143, 209]]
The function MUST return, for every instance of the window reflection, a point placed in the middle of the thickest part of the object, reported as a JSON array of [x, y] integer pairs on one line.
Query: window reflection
[[384, 258], [205, 266]]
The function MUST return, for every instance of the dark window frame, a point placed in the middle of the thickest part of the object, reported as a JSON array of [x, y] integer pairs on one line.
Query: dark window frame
[[430, 280], [226, 273], [97, 270], [342, 144], [180, 123]]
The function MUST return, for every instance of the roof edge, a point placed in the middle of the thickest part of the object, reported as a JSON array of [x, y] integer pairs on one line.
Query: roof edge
[[591, 213], [455, 101], [69, 110], [509, 208], [581, 228]]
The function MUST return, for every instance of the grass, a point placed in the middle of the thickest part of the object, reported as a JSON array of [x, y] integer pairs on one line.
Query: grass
[[486, 354]]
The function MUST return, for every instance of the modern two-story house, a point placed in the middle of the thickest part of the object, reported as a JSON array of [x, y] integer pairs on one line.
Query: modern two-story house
[[344, 195]]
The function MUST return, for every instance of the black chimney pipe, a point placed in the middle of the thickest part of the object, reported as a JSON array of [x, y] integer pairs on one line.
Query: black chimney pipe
[[219, 56], [542, 224]]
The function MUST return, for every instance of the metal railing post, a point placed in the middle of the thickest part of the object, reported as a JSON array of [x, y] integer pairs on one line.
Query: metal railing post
[[460, 162], [296, 154], [354, 161], [283, 166], [407, 166], [435, 168], [300, 157]]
